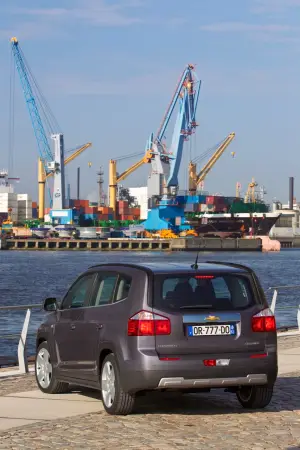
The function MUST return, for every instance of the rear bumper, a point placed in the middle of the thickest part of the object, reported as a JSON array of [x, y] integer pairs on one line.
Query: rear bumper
[[253, 379], [151, 373]]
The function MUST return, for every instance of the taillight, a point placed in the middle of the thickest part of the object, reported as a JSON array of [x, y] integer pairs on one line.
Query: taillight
[[209, 362], [146, 323], [264, 321]]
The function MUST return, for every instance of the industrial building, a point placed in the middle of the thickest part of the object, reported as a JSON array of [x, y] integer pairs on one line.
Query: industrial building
[[13, 206]]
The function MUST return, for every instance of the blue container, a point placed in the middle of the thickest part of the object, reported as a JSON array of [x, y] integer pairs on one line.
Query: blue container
[[181, 199], [90, 216], [202, 199]]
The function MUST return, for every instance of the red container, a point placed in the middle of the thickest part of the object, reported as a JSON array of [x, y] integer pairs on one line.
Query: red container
[[80, 203], [123, 203], [103, 217], [210, 200]]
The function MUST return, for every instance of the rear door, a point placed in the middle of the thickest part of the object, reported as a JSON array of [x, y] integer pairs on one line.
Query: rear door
[[209, 314]]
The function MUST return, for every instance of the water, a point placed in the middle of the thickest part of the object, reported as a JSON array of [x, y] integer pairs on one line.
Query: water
[[29, 277]]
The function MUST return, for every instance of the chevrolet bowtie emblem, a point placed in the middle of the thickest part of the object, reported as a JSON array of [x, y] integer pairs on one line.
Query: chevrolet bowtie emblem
[[212, 318]]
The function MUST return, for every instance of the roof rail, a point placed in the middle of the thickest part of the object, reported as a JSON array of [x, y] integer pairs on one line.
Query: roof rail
[[238, 266]]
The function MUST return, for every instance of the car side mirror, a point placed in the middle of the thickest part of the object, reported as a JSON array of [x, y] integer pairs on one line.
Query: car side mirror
[[50, 304]]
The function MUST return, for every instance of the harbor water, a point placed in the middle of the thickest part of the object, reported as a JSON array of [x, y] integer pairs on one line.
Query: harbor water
[[28, 277]]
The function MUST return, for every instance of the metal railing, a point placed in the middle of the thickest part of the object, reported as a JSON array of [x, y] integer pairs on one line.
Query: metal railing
[[276, 290], [22, 352]]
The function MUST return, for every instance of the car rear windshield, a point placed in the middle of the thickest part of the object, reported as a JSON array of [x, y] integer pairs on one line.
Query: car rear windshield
[[219, 292]]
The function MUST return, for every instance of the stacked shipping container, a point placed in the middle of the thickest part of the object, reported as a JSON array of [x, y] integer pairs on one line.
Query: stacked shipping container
[[24, 207]]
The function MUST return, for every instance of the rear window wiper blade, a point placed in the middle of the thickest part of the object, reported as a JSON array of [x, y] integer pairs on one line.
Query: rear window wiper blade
[[196, 306]]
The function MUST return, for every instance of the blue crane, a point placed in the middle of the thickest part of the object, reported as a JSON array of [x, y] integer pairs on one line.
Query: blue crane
[[50, 162], [187, 95], [38, 127], [163, 182]]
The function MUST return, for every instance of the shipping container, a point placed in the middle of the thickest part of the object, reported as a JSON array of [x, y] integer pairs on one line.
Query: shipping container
[[90, 216], [122, 203]]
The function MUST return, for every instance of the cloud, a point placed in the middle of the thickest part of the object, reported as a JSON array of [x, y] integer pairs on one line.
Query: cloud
[[238, 27], [274, 6], [95, 12]]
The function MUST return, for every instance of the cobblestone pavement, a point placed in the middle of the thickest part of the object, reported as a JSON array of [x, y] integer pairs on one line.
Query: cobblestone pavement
[[17, 384], [170, 421], [287, 342]]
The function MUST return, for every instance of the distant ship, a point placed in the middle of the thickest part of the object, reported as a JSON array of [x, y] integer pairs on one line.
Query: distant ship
[[237, 218], [235, 224]]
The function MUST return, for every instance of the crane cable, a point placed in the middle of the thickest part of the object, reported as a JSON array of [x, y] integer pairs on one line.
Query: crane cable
[[11, 125], [131, 155], [207, 153], [52, 123]]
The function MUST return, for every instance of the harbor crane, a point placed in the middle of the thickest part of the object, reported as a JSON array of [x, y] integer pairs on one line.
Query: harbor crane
[[165, 163], [51, 163], [194, 178], [250, 194], [115, 178], [163, 183], [43, 177]]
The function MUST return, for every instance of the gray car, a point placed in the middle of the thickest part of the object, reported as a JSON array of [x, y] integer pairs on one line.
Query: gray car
[[130, 328]]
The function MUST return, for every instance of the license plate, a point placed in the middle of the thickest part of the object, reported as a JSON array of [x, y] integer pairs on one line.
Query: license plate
[[211, 330]]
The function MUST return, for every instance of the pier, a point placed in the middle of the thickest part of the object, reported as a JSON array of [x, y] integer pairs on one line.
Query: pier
[[180, 244]]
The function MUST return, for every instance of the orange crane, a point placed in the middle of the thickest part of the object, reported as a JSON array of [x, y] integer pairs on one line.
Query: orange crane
[[250, 194], [115, 178], [194, 178], [42, 176]]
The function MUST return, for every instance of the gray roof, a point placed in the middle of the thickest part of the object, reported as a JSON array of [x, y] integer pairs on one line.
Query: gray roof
[[169, 267]]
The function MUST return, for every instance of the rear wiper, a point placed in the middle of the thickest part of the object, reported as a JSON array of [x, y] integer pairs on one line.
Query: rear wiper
[[196, 306]]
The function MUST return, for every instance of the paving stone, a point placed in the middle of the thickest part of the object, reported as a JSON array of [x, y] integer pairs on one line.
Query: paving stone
[[168, 422]]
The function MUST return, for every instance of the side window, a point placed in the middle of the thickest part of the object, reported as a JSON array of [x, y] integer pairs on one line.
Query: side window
[[123, 288], [104, 290], [221, 288], [78, 293]]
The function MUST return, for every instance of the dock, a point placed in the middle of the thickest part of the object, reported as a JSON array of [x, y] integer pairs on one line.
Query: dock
[[289, 242], [179, 244]]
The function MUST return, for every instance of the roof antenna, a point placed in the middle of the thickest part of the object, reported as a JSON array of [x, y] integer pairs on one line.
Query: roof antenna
[[195, 265]]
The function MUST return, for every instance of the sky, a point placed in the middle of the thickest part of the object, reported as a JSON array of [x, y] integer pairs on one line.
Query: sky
[[108, 70]]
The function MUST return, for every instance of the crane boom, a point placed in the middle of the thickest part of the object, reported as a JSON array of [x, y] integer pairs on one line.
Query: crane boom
[[38, 128], [72, 157], [194, 179]]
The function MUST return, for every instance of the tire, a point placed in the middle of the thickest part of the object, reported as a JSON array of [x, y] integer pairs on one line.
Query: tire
[[115, 400], [255, 397], [44, 376]]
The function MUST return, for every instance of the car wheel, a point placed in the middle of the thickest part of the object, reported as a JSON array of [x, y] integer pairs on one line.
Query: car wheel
[[115, 400], [255, 397], [44, 375]]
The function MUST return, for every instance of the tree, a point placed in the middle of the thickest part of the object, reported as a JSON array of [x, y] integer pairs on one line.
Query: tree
[[124, 194]]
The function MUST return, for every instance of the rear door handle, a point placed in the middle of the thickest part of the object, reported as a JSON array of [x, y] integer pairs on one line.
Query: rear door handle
[[100, 326], [72, 326]]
